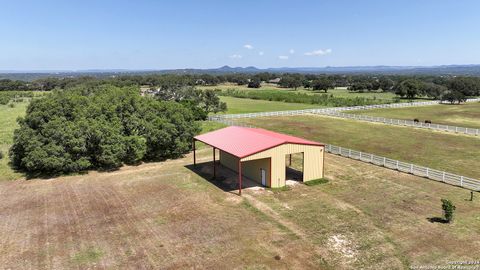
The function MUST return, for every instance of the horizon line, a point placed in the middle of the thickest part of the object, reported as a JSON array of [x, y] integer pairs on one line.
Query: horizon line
[[217, 68]]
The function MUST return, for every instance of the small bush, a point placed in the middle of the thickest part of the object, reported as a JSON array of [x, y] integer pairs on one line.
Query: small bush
[[316, 182], [11, 105], [448, 210]]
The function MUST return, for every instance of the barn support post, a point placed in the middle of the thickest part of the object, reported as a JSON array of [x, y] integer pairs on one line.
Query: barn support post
[[239, 177], [194, 156], [323, 164], [290, 161], [214, 167]]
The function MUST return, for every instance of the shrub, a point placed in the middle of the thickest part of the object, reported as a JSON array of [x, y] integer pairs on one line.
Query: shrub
[[448, 210], [316, 182], [254, 84]]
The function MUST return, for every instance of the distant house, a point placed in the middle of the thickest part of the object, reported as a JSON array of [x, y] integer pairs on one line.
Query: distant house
[[200, 82], [146, 90], [276, 80]]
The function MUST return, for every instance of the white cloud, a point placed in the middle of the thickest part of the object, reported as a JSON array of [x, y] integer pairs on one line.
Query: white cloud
[[248, 46], [283, 57], [235, 56], [260, 53], [291, 51], [319, 52]]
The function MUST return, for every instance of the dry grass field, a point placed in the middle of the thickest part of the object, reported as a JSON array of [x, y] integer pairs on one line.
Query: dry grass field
[[154, 216], [372, 217], [164, 215]]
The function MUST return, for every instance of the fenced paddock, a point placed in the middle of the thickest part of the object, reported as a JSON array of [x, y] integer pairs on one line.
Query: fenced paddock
[[433, 174], [407, 123], [441, 176], [328, 110]]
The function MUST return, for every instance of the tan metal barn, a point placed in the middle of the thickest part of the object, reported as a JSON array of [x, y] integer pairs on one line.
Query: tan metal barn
[[260, 154]]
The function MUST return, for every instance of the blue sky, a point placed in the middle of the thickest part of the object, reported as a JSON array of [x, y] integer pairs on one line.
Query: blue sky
[[141, 34]]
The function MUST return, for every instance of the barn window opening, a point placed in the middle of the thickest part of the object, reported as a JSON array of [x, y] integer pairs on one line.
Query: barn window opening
[[294, 166]]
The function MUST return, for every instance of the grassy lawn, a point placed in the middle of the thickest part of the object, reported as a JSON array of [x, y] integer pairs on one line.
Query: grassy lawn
[[8, 124], [453, 153], [373, 218], [243, 105], [464, 115]]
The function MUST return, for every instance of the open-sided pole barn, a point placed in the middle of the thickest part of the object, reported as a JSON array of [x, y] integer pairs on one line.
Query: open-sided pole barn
[[260, 154]]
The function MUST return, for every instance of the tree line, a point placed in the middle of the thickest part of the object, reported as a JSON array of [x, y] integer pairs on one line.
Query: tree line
[[452, 88]]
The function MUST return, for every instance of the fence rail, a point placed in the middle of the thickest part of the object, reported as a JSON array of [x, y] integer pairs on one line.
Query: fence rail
[[441, 176], [408, 123], [329, 110]]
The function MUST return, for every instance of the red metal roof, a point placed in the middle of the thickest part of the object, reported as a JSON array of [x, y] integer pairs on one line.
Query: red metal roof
[[242, 142]]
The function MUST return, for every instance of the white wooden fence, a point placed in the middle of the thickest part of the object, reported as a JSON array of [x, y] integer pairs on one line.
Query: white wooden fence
[[441, 176], [329, 110], [408, 123]]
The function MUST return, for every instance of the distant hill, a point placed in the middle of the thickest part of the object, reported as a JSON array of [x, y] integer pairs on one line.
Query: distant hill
[[454, 70]]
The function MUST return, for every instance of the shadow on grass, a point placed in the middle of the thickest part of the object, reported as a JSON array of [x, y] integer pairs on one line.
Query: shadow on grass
[[226, 180], [294, 174], [46, 176], [437, 220], [50, 175]]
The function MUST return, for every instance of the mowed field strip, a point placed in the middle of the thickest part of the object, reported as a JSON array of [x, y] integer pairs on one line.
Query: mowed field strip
[[244, 105], [8, 123], [337, 92], [463, 115], [162, 215], [458, 154]]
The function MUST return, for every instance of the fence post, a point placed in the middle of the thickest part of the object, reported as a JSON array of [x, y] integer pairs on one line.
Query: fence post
[[360, 155], [476, 132], [397, 165], [411, 168], [456, 129], [427, 173], [461, 181], [384, 162], [443, 177], [349, 153]]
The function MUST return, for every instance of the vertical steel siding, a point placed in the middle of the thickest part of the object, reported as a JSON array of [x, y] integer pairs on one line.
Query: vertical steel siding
[[313, 161]]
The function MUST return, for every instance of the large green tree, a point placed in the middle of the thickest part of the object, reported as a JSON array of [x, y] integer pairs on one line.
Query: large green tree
[[323, 84], [102, 127], [409, 88]]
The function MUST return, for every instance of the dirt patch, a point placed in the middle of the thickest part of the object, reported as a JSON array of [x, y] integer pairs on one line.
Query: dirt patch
[[341, 244]]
